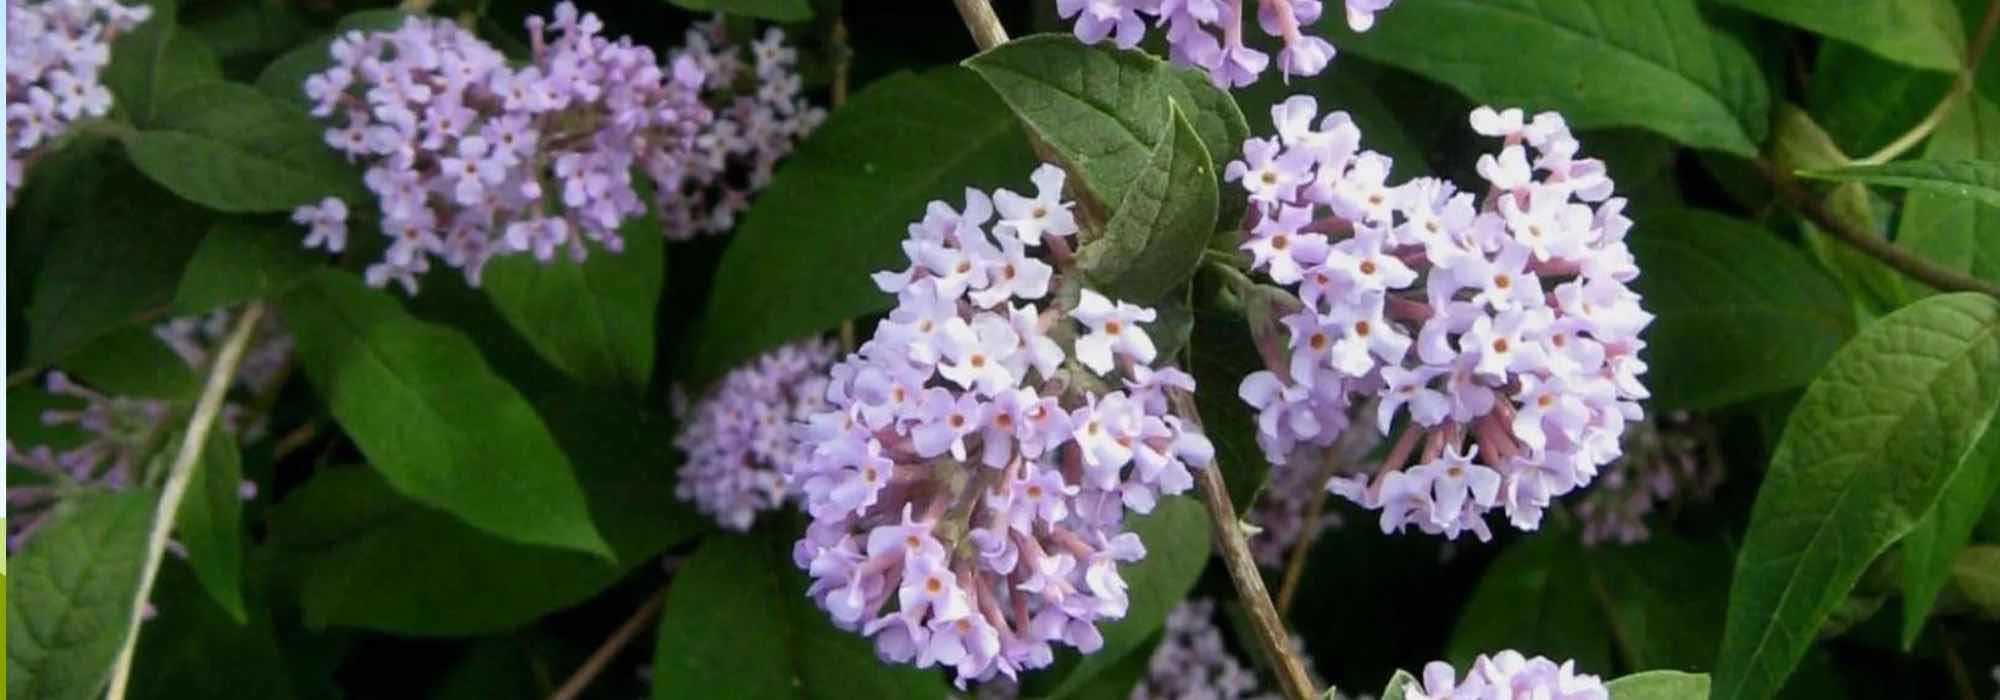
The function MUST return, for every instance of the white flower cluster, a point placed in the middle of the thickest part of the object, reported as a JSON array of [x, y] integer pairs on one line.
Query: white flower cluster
[[1501, 322], [741, 435], [1505, 676], [969, 469], [56, 53]]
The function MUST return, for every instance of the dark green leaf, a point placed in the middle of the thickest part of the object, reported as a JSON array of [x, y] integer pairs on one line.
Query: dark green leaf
[[1967, 179], [380, 561], [1721, 288], [738, 624], [228, 147], [1921, 33], [285, 78], [593, 320], [1104, 111], [1656, 65], [774, 10], [1536, 597], [154, 61], [1158, 231], [426, 410], [192, 648], [239, 261], [1931, 547], [1955, 231], [71, 595], [1865, 102], [493, 669], [211, 521], [246, 29], [1662, 600], [1219, 358], [800, 262], [1177, 543], [117, 266], [1659, 685], [133, 361], [1864, 455]]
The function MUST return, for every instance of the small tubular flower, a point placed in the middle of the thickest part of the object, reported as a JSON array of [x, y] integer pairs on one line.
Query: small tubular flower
[[114, 436], [1500, 325], [739, 438], [1208, 34], [469, 157], [754, 128], [968, 482], [56, 54], [1506, 675]]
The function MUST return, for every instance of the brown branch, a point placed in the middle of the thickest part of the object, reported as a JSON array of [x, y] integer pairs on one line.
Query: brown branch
[[1795, 197], [1250, 591], [609, 649]]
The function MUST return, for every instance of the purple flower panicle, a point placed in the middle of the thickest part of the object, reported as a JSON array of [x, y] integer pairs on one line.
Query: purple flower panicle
[[1496, 325]]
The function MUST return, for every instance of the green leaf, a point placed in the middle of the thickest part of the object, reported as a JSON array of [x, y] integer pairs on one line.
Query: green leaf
[[1957, 232], [1976, 573], [1864, 455], [71, 596], [1659, 685], [1105, 111], [1158, 231], [428, 412], [377, 560], [593, 320], [117, 266], [1722, 287], [1866, 102], [1220, 357], [191, 648], [239, 261], [1661, 599], [839, 207], [1399, 685], [738, 624], [231, 148], [1535, 597], [285, 77], [1656, 65], [1921, 33], [211, 521], [133, 361], [154, 61], [1968, 179], [1176, 534], [774, 10], [1932, 546]]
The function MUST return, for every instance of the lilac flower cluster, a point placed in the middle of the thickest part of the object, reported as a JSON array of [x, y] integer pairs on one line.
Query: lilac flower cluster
[[56, 52], [976, 470], [1208, 34], [739, 435], [117, 434], [1507, 674], [1193, 661], [1669, 459], [759, 117], [458, 144], [1501, 324]]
